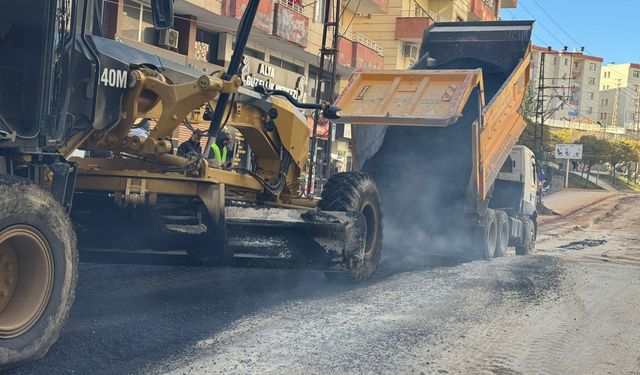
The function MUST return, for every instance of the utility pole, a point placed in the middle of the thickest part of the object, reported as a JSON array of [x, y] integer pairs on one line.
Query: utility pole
[[616, 103], [325, 87], [542, 113], [538, 133], [636, 114]]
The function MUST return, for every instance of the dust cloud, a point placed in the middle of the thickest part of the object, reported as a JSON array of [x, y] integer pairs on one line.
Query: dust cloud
[[422, 174]]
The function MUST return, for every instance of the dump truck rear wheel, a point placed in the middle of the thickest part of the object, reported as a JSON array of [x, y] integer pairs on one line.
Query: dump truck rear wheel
[[502, 222], [486, 236], [529, 243], [356, 192], [39, 261]]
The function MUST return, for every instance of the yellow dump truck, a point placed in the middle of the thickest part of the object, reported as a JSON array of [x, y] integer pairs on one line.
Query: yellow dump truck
[[440, 139]]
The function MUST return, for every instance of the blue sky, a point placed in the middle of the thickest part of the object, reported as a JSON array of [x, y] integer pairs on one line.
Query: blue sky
[[606, 28]]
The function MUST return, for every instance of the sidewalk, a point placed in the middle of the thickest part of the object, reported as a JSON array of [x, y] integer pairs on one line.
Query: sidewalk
[[603, 184], [568, 201]]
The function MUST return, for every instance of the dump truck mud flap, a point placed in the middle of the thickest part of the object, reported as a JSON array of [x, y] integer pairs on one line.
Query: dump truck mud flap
[[292, 238]]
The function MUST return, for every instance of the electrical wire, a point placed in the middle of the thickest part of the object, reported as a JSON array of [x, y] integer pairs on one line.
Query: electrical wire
[[352, 18], [625, 92], [541, 24], [563, 30]]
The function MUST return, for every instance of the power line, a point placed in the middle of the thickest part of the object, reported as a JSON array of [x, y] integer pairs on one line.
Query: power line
[[561, 29], [624, 92], [554, 22], [541, 24]]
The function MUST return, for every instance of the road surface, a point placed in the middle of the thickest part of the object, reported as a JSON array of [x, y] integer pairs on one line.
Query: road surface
[[570, 309]]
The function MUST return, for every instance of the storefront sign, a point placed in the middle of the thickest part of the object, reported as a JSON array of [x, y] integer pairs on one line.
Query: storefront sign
[[267, 75]]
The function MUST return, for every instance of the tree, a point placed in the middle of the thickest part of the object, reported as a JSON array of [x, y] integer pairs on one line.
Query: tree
[[621, 151], [632, 156], [528, 107], [551, 137], [594, 151], [560, 136]]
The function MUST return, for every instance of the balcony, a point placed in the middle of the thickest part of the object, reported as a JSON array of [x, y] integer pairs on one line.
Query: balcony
[[291, 22], [482, 10], [509, 3], [345, 52], [264, 16], [368, 6], [412, 23], [359, 51]]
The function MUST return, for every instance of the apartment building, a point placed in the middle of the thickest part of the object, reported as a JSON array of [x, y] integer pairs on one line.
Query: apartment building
[[399, 31], [285, 41], [571, 81], [620, 96]]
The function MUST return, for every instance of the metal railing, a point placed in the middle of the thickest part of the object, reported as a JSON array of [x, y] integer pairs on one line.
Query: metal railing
[[420, 12], [362, 39], [294, 6], [491, 4]]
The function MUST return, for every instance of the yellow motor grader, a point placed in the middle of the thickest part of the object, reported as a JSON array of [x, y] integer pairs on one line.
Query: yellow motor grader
[[64, 87]]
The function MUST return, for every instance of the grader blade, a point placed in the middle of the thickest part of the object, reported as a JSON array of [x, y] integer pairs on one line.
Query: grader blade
[[292, 238]]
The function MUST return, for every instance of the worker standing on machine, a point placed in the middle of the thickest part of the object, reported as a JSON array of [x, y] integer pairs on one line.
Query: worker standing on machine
[[220, 150], [192, 145]]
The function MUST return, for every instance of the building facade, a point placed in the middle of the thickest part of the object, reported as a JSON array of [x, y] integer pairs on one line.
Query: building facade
[[399, 31], [571, 82], [620, 96], [284, 46]]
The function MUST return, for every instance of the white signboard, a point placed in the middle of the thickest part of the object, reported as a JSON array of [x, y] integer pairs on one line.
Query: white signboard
[[568, 151]]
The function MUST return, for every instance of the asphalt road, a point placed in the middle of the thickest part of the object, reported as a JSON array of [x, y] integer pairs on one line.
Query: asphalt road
[[570, 309]]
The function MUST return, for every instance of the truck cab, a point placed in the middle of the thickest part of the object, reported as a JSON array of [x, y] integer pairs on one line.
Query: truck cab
[[519, 173]]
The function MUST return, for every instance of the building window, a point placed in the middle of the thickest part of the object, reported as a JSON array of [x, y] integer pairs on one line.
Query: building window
[[607, 74], [254, 53], [566, 61], [592, 66], [603, 116], [589, 110], [590, 95], [555, 60], [206, 46], [286, 65], [592, 81], [604, 102], [636, 74], [137, 23]]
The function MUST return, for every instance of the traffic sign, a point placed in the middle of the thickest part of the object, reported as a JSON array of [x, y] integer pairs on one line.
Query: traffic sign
[[568, 151]]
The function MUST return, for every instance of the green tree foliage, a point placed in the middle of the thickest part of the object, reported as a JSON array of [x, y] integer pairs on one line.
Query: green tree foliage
[[622, 151], [594, 151], [551, 137]]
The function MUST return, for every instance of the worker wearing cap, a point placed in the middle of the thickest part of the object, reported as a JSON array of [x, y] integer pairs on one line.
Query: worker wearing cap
[[191, 147], [220, 150]]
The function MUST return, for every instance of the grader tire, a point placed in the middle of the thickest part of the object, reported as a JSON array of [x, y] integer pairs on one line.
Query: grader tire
[[38, 270], [356, 192], [502, 221]]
